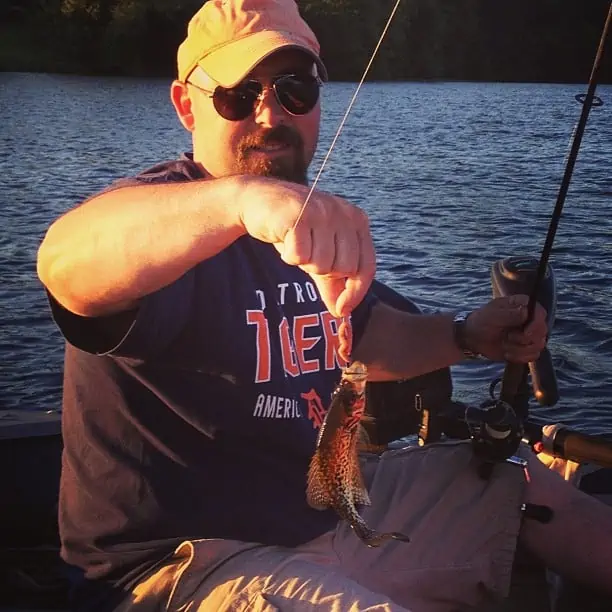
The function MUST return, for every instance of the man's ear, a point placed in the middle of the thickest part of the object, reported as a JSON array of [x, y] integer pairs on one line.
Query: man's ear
[[179, 94]]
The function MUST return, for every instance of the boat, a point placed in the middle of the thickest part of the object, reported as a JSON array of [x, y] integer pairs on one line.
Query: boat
[[33, 578]]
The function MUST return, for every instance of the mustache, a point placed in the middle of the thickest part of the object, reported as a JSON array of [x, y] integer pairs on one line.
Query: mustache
[[280, 135]]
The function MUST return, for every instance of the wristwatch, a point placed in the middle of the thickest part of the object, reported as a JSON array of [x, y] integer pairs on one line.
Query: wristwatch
[[459, 334]]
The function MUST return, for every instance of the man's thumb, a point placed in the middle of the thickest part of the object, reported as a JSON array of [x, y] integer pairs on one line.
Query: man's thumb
[[330, 290]]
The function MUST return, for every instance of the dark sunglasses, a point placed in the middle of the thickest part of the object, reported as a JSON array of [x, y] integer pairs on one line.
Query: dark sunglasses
[[296, 93]]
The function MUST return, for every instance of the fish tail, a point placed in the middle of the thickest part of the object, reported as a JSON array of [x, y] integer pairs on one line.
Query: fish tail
[[375, 538]]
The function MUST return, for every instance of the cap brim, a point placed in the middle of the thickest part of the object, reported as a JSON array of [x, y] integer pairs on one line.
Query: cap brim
[[228, 65]]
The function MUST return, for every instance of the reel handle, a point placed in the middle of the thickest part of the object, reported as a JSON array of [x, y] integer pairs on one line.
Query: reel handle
[[561, 441]]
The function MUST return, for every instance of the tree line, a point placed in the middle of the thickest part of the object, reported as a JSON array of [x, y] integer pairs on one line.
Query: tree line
[[489, 40]]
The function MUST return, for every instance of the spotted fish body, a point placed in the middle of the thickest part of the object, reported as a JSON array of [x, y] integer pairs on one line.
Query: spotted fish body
[[334, 478]]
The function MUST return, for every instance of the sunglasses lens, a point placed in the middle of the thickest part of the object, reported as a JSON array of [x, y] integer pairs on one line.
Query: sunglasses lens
[[297, 93], [237, 103]]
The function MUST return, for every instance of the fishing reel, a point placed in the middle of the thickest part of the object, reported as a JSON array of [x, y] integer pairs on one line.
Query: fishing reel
[[424, 405], [496, 428], [516, 275], [495, 431]]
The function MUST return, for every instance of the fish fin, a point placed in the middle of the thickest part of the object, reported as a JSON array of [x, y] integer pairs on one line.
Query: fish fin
[[322, 436], [360, 492], [365, 444], [332, 422], [317, 493], [363, 439], [368, 418]]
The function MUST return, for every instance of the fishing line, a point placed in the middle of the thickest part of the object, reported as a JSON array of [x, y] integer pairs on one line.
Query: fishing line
[[515, 374], [347, 113], [328, 154], [345, 351]]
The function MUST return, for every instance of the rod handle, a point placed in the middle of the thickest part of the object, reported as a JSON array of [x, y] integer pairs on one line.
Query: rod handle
[[563, 442], [544, 379], [512, 386]]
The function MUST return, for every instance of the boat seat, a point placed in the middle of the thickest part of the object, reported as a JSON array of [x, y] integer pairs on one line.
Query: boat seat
[[33, 579], [32, 575]]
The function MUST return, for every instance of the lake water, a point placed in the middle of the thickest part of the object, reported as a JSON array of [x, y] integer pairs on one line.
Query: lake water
[[454, 177]]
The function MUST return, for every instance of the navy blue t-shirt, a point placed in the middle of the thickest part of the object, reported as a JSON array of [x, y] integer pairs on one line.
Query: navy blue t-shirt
[[200, 420]]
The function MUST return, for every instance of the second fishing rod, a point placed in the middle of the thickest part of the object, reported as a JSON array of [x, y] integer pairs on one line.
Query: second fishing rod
[[502, 420]]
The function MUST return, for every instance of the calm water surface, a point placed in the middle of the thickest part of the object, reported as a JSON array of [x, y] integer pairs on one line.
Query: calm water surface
[[454, 177]]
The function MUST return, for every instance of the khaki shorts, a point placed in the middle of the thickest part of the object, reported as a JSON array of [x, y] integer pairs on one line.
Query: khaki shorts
[[463, 534]]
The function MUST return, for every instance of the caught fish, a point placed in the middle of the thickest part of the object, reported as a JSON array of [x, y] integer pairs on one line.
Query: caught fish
[[334, 478]]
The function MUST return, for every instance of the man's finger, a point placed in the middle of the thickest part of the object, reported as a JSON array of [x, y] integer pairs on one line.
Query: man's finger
[[521, 355], [330, 290], [519, 299], [519, 337], [358, 285], [323, 252], [296, 248], [347, 260], [354, 292], [513, 314]]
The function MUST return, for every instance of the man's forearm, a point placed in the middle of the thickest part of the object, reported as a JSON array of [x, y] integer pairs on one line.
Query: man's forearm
[[105, 255], [398, 345]]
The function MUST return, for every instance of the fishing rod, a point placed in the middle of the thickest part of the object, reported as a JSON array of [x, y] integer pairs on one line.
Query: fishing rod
[[499, 425], [515, 375], [500, 428]]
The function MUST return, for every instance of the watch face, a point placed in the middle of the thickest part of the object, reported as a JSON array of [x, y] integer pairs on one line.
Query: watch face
[[459, 333], [461, 317]]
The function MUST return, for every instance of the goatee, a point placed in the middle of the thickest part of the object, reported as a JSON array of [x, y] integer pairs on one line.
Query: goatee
[[291, 167]]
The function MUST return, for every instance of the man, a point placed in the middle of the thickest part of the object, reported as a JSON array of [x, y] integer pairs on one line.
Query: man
[[201, 303]]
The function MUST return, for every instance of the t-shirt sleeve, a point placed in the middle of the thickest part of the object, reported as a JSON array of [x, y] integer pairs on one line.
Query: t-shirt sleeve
[[361, 315], [140, 333], [149, 328]]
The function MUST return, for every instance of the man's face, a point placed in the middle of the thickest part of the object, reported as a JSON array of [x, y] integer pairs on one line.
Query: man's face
[[270, 141]]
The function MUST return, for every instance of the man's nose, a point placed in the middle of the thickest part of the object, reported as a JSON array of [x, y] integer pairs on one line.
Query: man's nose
[[268, 111]]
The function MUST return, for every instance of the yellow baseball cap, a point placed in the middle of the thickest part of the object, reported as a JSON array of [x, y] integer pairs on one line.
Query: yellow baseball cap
[[228, 38]]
